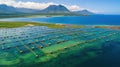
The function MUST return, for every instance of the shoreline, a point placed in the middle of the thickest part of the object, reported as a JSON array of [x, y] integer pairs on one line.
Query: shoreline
[[2, 20], [16, 24]]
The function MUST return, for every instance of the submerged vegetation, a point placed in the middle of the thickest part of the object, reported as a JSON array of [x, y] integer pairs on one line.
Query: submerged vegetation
[[30, 44], [44, 47]]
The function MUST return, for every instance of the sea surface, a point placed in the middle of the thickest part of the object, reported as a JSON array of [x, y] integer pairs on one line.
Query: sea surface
[[109, 56], [100, 52], [82, 20]]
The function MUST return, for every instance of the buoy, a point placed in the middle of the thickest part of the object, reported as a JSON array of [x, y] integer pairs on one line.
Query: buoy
[[75, 45], [3, 48], [41, 47], [51, 52], [21, 51], [107, 40], [33, 48], [8, 47], [65, 47], [49, 44], [36, 56], [43, 40]]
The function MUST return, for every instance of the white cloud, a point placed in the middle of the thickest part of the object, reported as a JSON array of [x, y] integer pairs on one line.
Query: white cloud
[[31, 5], [74, 7], [35, 5]]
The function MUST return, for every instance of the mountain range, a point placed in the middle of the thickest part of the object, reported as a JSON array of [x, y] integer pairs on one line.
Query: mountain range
[[52, 9]]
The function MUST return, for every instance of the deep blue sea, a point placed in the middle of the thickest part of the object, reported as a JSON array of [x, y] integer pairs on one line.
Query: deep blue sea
[[84, 20]]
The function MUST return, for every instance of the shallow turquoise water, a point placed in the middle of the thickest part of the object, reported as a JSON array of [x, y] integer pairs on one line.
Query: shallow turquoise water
[[10, 38]]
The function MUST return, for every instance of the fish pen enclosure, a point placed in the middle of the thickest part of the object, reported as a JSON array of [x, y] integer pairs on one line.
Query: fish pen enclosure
[[43, 46]]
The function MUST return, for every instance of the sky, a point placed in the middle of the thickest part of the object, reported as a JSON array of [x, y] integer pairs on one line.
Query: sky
[[96, 6]]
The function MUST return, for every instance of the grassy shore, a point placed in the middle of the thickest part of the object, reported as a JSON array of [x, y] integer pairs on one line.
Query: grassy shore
[[108, 27], [7, 24]]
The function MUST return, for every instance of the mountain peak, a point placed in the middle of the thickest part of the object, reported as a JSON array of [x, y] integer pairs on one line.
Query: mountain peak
[[61, 5], [57, 5], [53, 9], [52, 5], [3, 5], [84, 12], [56, 9]]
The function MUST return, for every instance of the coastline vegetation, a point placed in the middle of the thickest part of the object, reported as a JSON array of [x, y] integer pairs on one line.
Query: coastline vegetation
[[6, 24], [11, 24], [108, 27]]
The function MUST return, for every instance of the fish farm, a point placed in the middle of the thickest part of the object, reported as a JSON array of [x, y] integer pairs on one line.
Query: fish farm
[[51, 47]]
